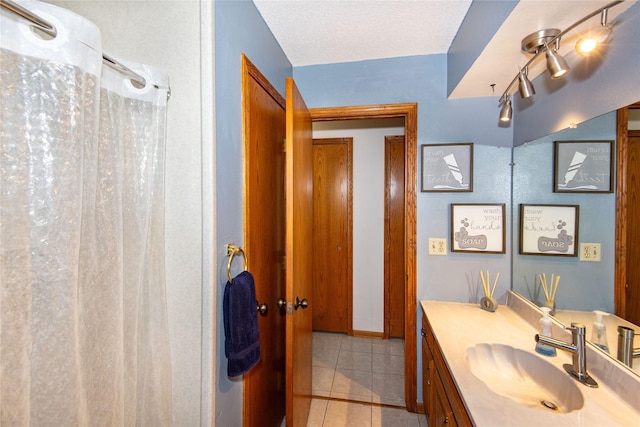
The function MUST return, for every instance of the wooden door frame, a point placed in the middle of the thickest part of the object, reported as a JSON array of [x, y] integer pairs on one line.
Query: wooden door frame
[[409, 112], [620, 269]]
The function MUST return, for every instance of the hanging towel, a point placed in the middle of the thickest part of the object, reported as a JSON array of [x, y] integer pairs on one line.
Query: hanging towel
[[241, 345]]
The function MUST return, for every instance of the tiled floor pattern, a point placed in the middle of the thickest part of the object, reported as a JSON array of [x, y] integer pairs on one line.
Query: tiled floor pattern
[[365, 377], [334, 413]]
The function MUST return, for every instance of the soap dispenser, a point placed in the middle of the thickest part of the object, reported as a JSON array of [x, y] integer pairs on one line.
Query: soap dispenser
[[599, 332], [545, 329]]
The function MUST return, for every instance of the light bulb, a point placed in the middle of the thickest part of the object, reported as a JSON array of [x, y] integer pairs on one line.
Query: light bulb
[[586, 46], [593, 40]]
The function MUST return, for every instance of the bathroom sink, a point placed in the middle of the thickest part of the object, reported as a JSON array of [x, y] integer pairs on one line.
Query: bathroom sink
[[524, 377]]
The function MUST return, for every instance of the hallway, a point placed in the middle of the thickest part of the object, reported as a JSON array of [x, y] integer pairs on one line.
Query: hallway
[[359, 381]]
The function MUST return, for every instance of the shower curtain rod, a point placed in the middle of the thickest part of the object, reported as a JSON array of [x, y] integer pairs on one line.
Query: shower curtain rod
[[51, 30]]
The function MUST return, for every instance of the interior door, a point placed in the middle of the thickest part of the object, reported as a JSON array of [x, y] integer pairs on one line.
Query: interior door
[[627, 272], [632, 289], [332, 276], [394, 263], [264, 241], [299, 256]]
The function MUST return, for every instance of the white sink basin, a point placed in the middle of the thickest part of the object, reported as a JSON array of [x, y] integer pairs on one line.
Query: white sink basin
[[524, 377]]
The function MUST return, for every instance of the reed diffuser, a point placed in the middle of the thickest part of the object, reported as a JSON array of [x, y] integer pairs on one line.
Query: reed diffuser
[[550, 290], [488, 302]]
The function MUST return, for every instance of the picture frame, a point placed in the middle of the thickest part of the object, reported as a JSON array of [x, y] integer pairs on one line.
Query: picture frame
[[549, 230], [583, 167], [478, 227], [447, 167]]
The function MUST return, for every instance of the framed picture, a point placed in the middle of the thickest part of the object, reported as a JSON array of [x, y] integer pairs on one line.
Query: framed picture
[[478, 228], [447, 167], [549, 230], [583, 167]]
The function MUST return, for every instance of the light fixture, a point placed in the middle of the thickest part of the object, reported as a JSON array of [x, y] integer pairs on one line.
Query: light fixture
[[506, 111], [548, 41], [556, 64], [595, 37], [525, 87]]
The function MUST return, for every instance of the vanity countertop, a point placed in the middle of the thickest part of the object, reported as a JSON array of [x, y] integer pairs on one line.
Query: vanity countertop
[[458, 326]]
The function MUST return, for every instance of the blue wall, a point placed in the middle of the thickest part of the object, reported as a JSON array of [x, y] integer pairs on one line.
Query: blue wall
[[239, 28], [421, 79]]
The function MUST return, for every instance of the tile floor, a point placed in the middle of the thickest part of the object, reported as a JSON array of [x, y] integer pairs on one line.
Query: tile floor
[[359, 382], [334, 413]]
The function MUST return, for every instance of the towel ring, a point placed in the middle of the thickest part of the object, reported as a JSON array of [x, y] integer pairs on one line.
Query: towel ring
[[232, 250]]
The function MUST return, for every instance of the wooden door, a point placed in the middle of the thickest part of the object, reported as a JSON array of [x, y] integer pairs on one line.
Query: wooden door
[[632, 291], [627, 271], [264, 131], [299, 256], [632, 287], [332, 263], [394, 262]]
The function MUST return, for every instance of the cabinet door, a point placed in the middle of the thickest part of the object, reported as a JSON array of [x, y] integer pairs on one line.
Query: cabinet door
[[443, 415], [427, 379], [427, 363]]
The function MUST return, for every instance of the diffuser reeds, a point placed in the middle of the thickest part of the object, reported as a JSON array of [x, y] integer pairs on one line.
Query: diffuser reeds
[[486, 282], [488, 302], [551, 288]]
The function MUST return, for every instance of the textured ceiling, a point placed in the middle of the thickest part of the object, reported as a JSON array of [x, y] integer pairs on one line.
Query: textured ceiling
[[328, 31], [331, 31]]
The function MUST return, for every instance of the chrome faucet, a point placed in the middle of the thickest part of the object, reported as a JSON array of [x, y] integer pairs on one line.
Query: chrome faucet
[[626, 352], [577, 348]]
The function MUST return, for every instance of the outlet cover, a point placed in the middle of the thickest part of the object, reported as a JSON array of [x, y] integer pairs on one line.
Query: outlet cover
[[437, 246], [590, 252]]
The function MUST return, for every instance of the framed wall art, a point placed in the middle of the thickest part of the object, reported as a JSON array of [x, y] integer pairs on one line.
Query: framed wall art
[[447, 167], [478, 228], [549, 230], [583, 167]]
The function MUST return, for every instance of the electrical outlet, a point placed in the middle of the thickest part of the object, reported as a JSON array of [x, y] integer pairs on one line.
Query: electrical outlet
[[590, 252], [437, 246]]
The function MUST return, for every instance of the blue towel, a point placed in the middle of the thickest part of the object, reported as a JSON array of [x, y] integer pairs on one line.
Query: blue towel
[[241, 344]]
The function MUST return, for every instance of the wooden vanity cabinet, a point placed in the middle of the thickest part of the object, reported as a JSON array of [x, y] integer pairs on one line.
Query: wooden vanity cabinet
[[442, 402], [427, 377]]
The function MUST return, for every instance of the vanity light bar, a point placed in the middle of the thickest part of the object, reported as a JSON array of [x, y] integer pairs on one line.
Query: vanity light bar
[[547, 42]]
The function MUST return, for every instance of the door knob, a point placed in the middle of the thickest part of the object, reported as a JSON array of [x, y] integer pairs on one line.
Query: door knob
[[281, 303], [262, 308], [301, 303]]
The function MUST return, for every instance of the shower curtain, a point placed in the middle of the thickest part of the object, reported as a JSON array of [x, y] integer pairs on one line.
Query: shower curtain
[[84, 336]]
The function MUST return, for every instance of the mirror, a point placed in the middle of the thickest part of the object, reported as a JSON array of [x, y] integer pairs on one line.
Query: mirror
[[583, 286]]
